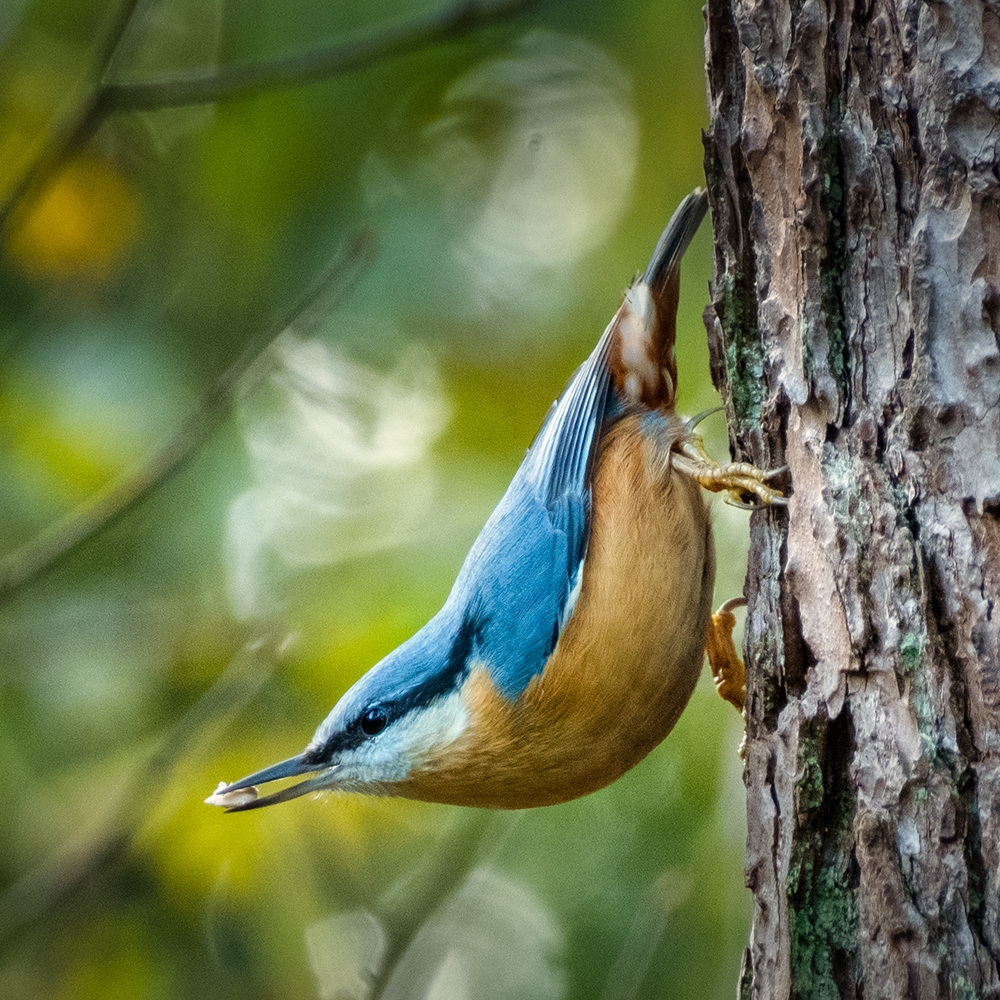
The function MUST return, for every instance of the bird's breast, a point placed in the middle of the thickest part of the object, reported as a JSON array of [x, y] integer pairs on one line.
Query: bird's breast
[[626, 662]]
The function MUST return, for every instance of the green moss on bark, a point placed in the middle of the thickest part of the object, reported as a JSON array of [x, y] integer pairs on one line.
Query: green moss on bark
[[744, 352], [822, 901]]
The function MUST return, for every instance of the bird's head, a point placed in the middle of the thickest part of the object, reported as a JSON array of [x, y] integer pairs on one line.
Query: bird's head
[[401, 716]]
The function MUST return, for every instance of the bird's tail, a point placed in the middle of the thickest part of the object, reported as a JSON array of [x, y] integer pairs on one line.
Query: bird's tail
[[642, 360]]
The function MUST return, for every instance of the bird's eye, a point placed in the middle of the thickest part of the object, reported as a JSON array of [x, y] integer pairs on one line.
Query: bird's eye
[[373, 721]]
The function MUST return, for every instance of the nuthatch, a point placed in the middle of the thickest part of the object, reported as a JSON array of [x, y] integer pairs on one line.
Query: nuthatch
[[576, 630]]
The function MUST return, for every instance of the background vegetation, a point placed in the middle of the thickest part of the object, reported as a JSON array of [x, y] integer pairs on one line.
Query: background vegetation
[[477, 204]]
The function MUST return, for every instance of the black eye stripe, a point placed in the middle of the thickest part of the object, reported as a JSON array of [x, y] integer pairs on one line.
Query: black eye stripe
[[433, 686]]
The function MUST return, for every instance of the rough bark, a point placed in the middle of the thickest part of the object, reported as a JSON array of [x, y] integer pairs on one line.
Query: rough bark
[[855, 329]]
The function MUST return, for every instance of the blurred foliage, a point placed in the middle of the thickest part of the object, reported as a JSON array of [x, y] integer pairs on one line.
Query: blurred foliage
[[509, 182]]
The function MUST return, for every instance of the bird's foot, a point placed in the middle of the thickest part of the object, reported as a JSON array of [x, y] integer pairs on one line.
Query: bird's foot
[[727, 668], [744, 485]]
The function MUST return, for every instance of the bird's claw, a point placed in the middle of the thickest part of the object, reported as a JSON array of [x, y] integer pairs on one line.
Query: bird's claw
[[728, 670], [744, 485]]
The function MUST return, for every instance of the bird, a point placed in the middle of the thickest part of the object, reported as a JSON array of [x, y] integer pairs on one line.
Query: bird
[[576, 629]]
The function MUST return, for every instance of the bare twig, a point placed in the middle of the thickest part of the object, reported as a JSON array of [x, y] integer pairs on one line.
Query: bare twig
[[77, 128], [228, 82], [45, 550], [440, 876], [108, 45]]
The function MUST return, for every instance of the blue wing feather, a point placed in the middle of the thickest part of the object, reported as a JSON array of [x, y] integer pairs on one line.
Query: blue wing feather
[[515, 583], [562, 454]]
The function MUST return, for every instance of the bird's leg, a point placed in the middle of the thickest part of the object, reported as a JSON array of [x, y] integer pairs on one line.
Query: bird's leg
[[727, 668], [744, 485]]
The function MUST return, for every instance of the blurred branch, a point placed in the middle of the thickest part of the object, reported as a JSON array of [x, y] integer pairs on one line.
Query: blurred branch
[[227, 82], [37, 890], [41, 553], [300, 68], [445, 870], [45, 550], [78, 127], [671, 890]]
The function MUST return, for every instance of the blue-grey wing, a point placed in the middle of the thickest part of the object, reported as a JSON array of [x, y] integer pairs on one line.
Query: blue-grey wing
[[516, 588]]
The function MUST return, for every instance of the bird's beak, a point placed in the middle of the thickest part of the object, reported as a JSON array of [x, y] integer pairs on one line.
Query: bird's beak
[[242, 795]]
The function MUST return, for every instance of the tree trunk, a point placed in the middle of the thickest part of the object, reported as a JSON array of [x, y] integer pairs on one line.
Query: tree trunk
[[855, 331]]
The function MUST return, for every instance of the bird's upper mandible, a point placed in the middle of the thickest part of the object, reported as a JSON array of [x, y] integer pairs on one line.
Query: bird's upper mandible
[[576, 629]]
